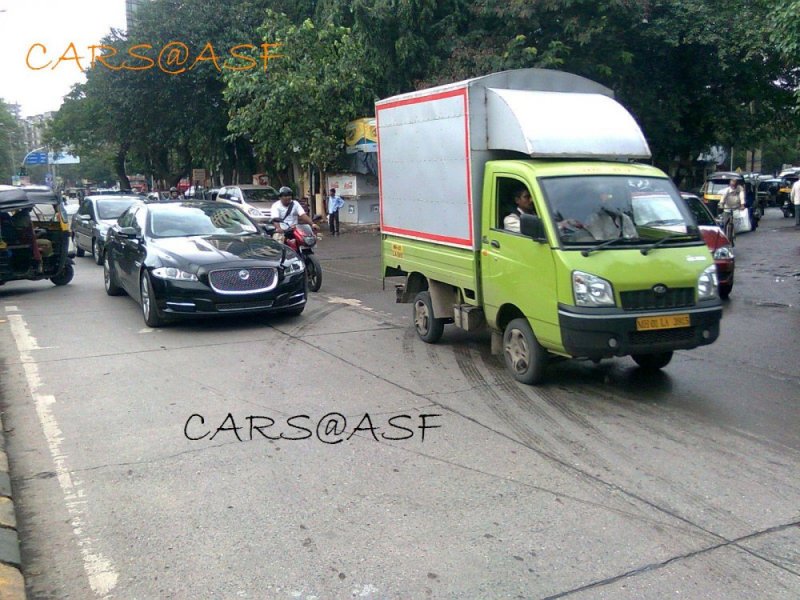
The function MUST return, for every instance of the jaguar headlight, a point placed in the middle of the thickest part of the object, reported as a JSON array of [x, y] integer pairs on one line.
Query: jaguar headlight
[[294, 266], [591, 290], [174, 274], [707, 283]]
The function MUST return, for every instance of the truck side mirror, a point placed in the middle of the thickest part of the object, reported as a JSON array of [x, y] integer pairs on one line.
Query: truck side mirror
[[532, 226]]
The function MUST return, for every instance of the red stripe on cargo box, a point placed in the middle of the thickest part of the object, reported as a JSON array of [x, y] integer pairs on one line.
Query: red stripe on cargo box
[[418, 100]]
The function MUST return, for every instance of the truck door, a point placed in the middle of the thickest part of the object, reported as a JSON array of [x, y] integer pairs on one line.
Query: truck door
[[516, 269]]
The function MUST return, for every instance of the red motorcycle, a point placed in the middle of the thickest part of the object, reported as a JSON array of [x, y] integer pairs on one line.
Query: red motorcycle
[[302, 239]]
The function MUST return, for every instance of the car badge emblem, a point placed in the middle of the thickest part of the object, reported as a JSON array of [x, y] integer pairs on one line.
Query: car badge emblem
[[659, 290], [244, 275]]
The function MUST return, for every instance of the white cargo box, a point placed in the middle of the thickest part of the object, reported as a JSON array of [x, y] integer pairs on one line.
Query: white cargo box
[[433, 144]]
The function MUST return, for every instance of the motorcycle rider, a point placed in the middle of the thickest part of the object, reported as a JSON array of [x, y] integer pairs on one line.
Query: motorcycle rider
[[287, 212]]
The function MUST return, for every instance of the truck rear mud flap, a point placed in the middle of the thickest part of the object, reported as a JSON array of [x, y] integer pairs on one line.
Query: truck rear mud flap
[[605, 335]]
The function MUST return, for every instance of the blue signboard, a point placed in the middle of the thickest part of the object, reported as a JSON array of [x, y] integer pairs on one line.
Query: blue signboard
[[36, 158]]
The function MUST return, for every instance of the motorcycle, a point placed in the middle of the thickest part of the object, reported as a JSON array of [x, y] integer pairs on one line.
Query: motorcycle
[[302, 239]]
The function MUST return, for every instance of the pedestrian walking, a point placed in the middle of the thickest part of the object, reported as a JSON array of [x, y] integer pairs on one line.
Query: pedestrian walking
[[795, 194], [335, 202]]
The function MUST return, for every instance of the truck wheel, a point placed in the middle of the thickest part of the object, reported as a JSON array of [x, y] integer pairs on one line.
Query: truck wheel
[[524, 355], [653, 362], [428, 329]]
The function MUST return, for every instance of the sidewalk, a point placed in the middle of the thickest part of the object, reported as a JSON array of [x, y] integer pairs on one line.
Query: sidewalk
[[12, 583]]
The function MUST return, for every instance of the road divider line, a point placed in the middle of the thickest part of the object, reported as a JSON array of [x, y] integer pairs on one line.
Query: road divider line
[[100, 571]]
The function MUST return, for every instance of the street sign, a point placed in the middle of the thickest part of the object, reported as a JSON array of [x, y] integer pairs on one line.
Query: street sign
[[36, 158], [59, 158]]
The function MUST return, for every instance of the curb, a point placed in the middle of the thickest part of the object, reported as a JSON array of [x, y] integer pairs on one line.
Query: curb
[[12, 582]]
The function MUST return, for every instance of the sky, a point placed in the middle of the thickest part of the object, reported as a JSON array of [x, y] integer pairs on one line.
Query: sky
[[54, 24]]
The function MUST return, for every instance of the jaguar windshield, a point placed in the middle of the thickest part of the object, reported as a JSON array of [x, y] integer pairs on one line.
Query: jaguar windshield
[[633, 210]]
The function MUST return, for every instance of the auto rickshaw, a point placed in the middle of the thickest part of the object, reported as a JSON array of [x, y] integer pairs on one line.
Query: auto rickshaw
[[712, 188], [34, 236], [788, 179]]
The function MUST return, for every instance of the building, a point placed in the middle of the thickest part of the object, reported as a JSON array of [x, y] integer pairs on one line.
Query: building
[[131, 6], [33, 130]]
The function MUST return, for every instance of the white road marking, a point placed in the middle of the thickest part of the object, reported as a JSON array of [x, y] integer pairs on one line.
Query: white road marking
[[348, 301], [11, 308], [102, 575]]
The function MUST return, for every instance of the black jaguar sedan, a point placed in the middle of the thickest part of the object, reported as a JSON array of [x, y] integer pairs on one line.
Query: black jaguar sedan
[[189, 259]]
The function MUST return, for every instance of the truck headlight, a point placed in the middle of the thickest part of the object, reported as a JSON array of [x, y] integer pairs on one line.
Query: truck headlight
[[707, 283], [591, 290], [173, 273], [723, 253]]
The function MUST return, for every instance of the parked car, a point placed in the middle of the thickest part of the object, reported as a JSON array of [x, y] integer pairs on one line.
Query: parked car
[[719, 245], [200, 258], [255, 200], [92, 220]]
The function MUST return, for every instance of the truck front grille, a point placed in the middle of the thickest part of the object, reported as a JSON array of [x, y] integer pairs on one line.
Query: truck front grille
[[649, 300]]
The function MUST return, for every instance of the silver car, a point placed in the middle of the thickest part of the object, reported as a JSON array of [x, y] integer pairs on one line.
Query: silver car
[[92, 221]]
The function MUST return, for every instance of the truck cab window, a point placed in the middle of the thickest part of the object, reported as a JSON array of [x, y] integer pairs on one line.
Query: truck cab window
[[513, 199]]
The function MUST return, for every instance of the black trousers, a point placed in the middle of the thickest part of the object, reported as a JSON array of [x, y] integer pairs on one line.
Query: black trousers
[[333, 222]]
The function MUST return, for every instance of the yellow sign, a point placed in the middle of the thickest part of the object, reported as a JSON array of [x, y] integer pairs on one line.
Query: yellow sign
[[361, 136], [397, 250], [668, 322]]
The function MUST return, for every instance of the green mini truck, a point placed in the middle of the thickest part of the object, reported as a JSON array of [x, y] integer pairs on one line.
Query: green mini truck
[[512, 201]]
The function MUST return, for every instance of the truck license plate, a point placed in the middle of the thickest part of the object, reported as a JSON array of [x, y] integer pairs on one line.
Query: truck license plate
[[667, 322]]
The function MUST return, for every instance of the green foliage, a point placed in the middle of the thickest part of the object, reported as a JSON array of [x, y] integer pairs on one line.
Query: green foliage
[[695, 73], [297, 111], [11, 154]]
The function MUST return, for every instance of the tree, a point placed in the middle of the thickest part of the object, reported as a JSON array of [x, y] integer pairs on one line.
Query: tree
[[10, 150], [296, 113]]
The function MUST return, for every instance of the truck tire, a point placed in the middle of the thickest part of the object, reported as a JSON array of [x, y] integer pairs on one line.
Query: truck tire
[[523, 354], [429, 330], [652, 362]]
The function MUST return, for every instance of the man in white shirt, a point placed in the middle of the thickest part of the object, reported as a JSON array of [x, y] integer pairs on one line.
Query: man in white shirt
[[795, 195], [287, 212]]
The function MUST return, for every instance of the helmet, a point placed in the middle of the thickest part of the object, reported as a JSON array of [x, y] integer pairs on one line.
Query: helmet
[[173, 189], [285, 191]]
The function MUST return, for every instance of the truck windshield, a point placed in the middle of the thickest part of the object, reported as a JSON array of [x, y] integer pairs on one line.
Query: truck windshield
[[635, 210]]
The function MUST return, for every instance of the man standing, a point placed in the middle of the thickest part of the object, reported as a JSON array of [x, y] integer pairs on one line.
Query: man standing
[[335, 202], [795, 195]]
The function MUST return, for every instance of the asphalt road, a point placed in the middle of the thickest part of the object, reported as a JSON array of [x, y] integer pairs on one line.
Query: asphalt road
[[601, 483]]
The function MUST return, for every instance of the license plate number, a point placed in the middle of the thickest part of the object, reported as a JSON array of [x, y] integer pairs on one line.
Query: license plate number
[[666, 322]]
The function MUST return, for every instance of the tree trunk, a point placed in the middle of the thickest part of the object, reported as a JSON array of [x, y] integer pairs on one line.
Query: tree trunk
[[119, 167]]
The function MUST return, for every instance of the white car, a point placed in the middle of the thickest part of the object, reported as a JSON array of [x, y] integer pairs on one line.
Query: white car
[[255, 200]]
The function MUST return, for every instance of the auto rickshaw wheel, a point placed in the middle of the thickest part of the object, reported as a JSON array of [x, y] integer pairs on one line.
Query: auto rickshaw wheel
[[64, 276]]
